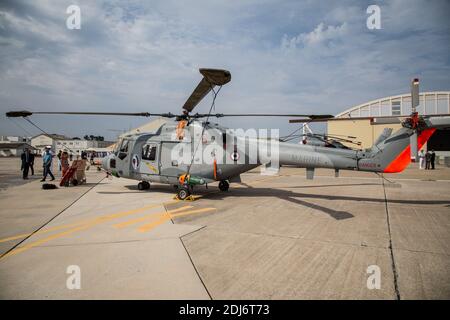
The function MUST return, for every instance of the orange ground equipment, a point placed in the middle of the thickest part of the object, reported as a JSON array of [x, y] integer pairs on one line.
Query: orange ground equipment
[[75, 174]]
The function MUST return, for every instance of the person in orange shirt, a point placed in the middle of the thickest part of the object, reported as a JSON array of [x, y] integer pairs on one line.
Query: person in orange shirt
[[64, 162]]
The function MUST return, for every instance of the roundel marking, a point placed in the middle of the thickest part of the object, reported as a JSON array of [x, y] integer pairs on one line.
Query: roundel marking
[[234, 156], [135, 162]]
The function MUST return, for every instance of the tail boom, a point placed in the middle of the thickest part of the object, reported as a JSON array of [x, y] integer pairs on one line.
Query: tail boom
[[404, 158]]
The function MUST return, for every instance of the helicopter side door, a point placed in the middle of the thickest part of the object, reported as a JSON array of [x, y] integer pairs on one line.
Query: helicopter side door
[[150, 158], [171, 159]]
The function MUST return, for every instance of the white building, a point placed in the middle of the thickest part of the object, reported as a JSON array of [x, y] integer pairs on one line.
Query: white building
[[6, 139], [42, 140], [14, 146], [14, 149], [75, 146]]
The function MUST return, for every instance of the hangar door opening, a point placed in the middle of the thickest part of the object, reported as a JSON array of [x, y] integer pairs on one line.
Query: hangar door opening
[[439, 141]]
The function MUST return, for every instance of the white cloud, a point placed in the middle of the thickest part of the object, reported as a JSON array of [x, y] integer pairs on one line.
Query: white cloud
[[144, 56], [33, 27], [319, 35]]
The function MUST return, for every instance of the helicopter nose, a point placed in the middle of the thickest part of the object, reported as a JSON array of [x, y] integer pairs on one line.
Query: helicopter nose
[[105, 163]]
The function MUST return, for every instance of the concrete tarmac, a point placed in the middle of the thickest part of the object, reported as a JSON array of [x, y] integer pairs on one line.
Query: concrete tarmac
[[269, 237]]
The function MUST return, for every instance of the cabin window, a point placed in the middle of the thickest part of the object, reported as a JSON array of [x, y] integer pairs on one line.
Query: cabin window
[[149, 152]]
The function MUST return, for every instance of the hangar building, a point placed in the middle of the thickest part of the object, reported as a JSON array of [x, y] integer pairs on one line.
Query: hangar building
[[367, 130]]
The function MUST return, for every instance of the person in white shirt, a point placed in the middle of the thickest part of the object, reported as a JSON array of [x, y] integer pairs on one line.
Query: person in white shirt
[[421, 159]]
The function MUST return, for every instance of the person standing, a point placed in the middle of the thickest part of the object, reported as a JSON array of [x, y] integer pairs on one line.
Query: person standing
[[427, 160], [47, 163], [432, 159], [59, 160], [32, 163], [64, 162], [421, 159], [26, 160]]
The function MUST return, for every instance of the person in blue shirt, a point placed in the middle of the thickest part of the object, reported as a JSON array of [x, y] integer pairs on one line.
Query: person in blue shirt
[[47, 163]]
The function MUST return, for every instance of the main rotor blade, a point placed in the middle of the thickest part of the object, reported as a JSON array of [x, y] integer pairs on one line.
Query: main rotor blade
[[220, 115], [25, 113], [211, 78], [371, 118]]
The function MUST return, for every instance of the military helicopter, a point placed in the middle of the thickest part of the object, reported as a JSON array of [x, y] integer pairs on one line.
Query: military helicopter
[[186, 151]]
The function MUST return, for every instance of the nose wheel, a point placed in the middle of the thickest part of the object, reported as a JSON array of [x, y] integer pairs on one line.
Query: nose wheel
[[224, 185], [184, 192], [143, 185]]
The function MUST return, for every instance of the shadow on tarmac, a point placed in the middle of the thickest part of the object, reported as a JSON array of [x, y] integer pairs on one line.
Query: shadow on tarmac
[[288, 195]]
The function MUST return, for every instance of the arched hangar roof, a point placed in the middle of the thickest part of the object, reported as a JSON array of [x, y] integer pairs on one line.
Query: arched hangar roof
[[435, 102]]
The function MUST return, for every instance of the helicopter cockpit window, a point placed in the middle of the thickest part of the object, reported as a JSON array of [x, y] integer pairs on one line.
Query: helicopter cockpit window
[[123, 150], [124, 146], [149, 152]]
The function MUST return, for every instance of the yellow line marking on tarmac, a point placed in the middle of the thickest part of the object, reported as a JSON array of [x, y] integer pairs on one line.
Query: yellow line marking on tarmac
[[65, 226], [185, 213], [153, 225], [68, 225], [148, 217], [42, 231], [88, 225], [167, 216]]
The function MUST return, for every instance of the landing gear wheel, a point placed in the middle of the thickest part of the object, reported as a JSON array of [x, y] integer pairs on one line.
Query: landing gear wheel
[[224, 185], [144, 185], [183, 193], [74, 182]]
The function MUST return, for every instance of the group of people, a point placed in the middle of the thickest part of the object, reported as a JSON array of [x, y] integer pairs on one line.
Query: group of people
[[27, 158], [427, 159]]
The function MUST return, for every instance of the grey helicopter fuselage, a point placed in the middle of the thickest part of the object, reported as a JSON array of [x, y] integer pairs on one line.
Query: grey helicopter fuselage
[[154, 157]]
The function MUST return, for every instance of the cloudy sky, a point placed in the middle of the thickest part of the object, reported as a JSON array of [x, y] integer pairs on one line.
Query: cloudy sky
[[284, 56]]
